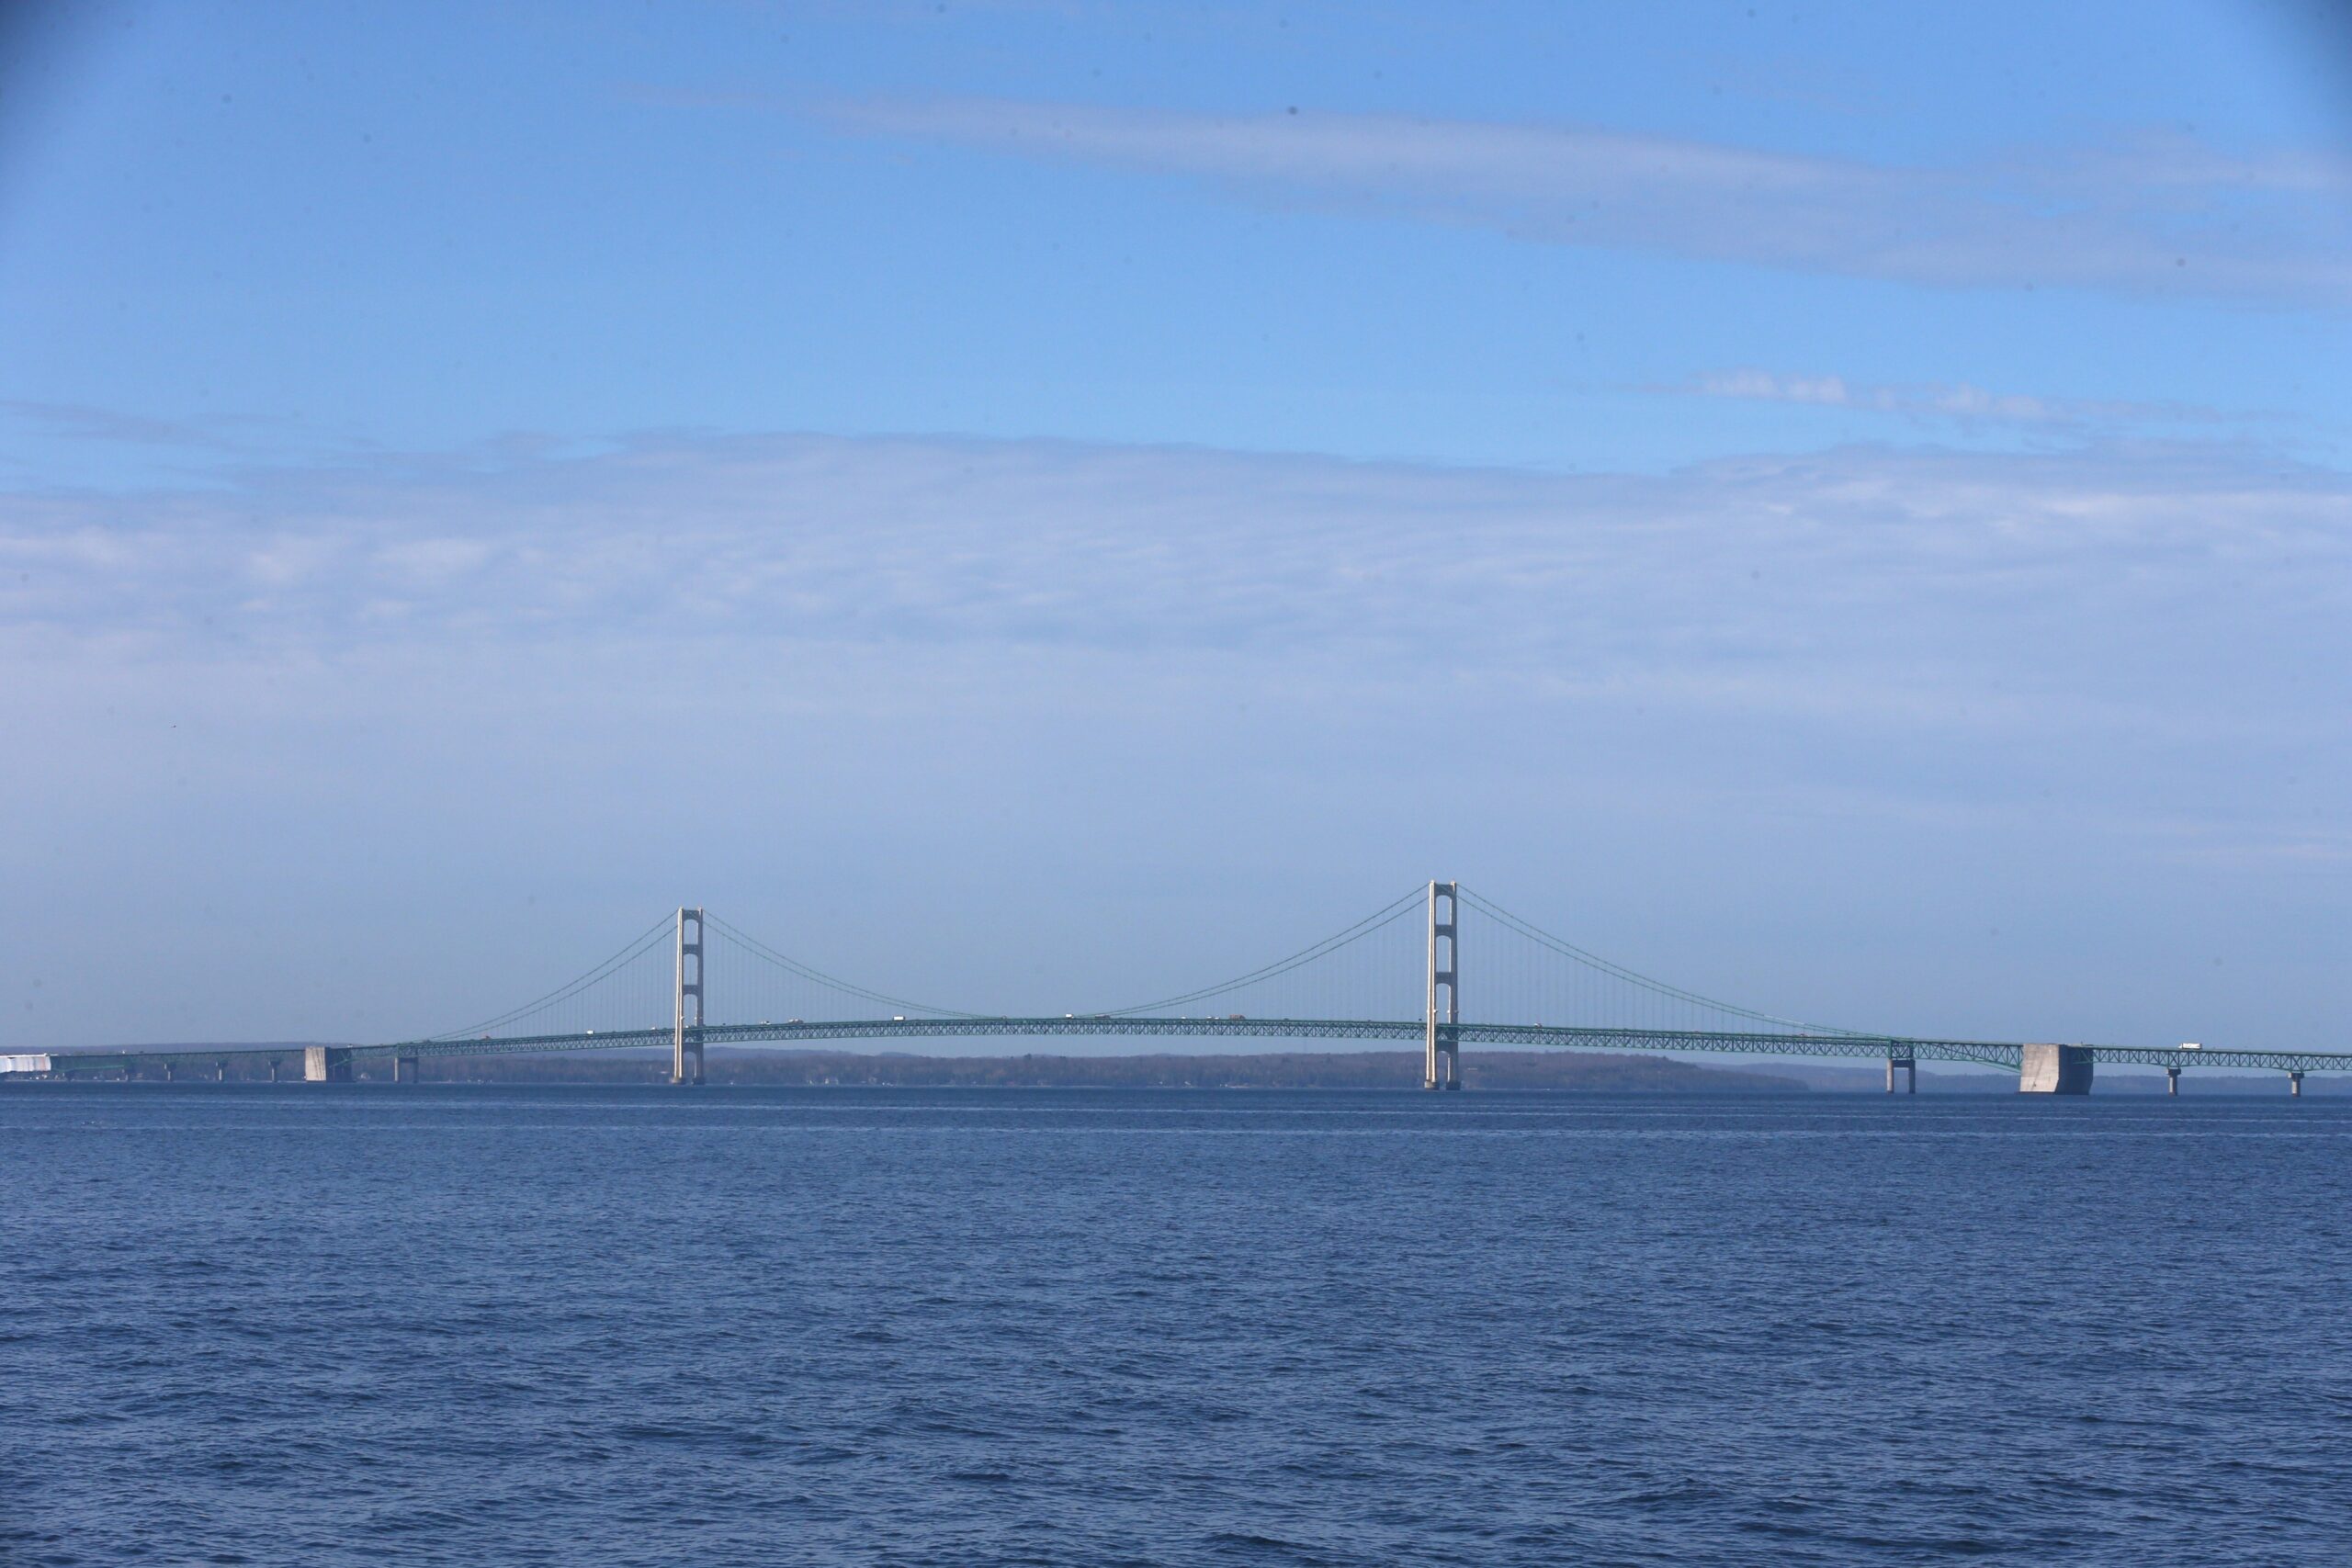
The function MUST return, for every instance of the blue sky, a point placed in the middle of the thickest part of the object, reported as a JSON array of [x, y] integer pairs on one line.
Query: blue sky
[[1841, 506]]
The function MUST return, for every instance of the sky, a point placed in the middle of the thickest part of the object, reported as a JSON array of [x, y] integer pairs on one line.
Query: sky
[[1843, 507]]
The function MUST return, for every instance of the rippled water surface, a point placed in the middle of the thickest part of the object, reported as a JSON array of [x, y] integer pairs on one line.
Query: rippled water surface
[[332, 1325]]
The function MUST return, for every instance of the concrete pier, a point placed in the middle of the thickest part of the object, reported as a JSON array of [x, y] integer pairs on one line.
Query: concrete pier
[[326, 1064], [2171, 1080], [2055, 1069], [1910, 1066], [404, 1069], [2295, 1084]]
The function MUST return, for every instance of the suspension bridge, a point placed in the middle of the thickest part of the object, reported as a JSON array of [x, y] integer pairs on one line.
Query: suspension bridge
[[1394, 975]]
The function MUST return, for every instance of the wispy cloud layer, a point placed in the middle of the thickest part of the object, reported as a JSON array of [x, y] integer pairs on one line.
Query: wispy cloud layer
[[1883, 584], [1957, 403], [2157, 214], [76, 422], [745, 662]]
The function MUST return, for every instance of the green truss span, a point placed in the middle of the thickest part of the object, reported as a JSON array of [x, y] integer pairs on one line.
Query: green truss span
[[1996, 1053]]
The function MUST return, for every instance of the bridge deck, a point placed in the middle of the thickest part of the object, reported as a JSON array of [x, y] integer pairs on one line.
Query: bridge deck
[[1998, 1054]]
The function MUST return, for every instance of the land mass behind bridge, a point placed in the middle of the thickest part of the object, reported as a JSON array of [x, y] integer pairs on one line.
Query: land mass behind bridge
[[1595, 1072]]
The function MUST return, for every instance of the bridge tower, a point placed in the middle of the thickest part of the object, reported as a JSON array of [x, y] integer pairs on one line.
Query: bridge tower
[[685, 1037], [1441, 1040]]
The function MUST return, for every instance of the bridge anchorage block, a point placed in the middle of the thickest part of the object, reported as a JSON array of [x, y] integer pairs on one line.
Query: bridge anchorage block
[[2055, 1069], [326, 1064]]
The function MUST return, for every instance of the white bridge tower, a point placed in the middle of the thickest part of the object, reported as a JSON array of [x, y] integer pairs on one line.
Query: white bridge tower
[[1441, 1066], [685, 1037]]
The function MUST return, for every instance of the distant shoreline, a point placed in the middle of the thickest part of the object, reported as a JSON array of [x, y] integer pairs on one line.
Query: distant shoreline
[[1275, 1069], [1611, 1073]]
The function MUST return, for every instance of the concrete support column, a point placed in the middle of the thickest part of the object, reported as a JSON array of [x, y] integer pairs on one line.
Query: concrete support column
[[2295, 1084], [171, 1072], [404, 1069], [273, 1069], [2055, 1069], [1909, 1065], [2171, 1080]]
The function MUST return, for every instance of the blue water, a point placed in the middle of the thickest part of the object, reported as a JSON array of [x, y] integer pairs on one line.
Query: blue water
[[326, 1326]]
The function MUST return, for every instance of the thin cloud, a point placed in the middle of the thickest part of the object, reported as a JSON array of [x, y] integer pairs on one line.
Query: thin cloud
[[1961, 402], [825, 650], [2151, 214], [78, 421], [1878, 584]]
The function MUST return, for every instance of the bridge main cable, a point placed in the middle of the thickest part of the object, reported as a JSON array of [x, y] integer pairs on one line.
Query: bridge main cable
[[637, 948], [1593, 961], [759, 949], [1385, 915]]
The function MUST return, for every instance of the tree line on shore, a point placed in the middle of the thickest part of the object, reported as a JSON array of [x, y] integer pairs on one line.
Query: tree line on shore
[[1593, 1072]]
